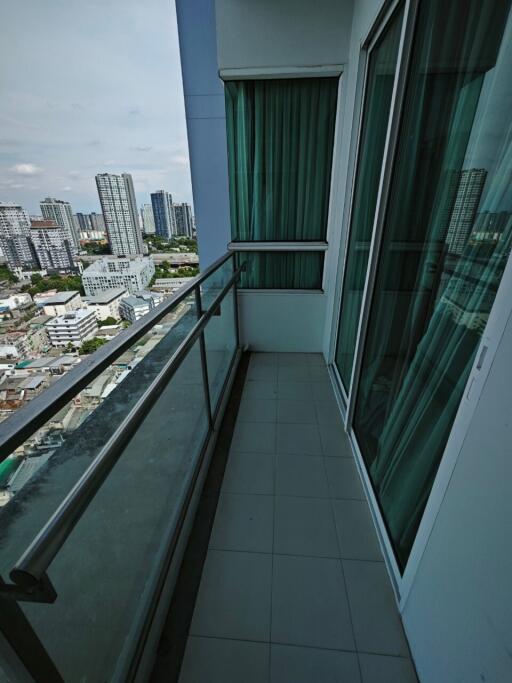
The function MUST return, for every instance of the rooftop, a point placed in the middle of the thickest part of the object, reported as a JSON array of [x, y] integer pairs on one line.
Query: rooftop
[[70, 318], [59, 298], [105, 297]]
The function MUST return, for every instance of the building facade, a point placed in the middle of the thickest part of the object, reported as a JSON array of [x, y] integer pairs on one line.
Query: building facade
[[109, 273], [136, 306], [59, 303], [61, 212], [148, 219], [52, 246], [119, 208], [106, 304], [15, 241], [183, 219], [72, 328], [165, 225]]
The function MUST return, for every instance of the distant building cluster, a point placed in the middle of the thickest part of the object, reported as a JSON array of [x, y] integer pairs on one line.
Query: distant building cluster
[[170, 220], [53, 241]]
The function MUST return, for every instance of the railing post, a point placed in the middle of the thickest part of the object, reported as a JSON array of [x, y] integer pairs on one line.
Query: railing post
[[235, 305], [204, 365], [24, 641]]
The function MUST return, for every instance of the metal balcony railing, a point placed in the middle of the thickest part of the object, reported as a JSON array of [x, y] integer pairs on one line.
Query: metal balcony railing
[[212, 339]]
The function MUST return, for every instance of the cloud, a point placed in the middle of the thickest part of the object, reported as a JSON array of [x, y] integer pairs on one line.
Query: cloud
[[26, 169], [65, 189], [141, 148]]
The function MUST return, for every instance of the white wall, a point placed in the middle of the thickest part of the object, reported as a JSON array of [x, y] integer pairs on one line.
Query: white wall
[[458, 615], [271, 33], [206, 126], [282, 321]]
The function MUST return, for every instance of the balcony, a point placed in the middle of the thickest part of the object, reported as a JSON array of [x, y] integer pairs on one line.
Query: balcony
[[205, 521]]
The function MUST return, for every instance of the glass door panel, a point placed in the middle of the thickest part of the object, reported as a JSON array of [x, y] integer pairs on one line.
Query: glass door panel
[[379, 88], [445, 244]]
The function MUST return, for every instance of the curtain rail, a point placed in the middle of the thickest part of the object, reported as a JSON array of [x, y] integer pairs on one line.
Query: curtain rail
[[278, 246]]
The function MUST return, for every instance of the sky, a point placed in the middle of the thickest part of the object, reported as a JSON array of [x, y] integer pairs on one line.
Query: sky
[[86, 87]]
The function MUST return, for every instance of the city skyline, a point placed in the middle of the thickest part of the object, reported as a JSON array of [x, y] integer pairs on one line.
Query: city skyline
[[66, 118]]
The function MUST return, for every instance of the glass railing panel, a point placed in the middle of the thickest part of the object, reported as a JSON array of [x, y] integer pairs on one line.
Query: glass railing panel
[[53, 459], [220, 333], [107, 567], [220, 342], [114, 390]]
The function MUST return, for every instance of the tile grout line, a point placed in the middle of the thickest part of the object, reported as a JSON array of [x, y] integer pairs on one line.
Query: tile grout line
[[331, 506]]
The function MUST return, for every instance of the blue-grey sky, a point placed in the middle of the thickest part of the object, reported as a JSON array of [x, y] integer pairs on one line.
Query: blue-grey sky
[[86, 87]]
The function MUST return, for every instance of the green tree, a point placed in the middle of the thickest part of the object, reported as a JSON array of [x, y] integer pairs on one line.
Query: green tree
[[91, 345], [7, 275], [108, 321]]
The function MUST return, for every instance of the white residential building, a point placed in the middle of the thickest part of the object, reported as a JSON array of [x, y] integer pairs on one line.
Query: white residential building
[[106, 304], [52, 245], [183, 219], [111, 273], [15, 301], [117, 198], [148, 219], [62, 213], [59, 303], [15, 240], [134, 307], [72, 328]]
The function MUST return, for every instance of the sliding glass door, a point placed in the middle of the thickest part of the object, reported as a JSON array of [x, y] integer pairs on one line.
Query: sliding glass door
[[382, 60], [445, 241]]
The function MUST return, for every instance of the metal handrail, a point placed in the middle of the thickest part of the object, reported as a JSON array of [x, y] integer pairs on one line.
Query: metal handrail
[[23, 423], [31, 568]]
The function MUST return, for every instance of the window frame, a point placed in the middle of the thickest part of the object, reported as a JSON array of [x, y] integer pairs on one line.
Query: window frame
[[500, 315], [299, 72]]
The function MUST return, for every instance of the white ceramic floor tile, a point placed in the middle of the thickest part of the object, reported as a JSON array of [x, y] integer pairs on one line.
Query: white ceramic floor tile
[[249, 473], [356, 533], [294, 664], [298, 438], [243, 522], [257, 410], [304, 526], [296, 391], [259, 389], [335, 442], [296, 412], [343, 478], [380, 669], [234, 596], [301, 475], [377, 625], [218, 660], [254, 437], [309, 604]]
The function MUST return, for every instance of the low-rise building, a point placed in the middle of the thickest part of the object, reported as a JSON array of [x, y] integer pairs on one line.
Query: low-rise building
[[16, 301], [111, 273], [14, 345], [106, 304], [59, 303], [170, 284], [134, 307], [72, 328]]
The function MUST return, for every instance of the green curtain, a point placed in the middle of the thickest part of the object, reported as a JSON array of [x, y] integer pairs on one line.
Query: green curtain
[[431, 303], [379, 88], [280, 144], [282, 270]]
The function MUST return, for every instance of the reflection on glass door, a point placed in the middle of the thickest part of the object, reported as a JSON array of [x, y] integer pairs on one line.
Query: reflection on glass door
[[379, 88], [446, 240]]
